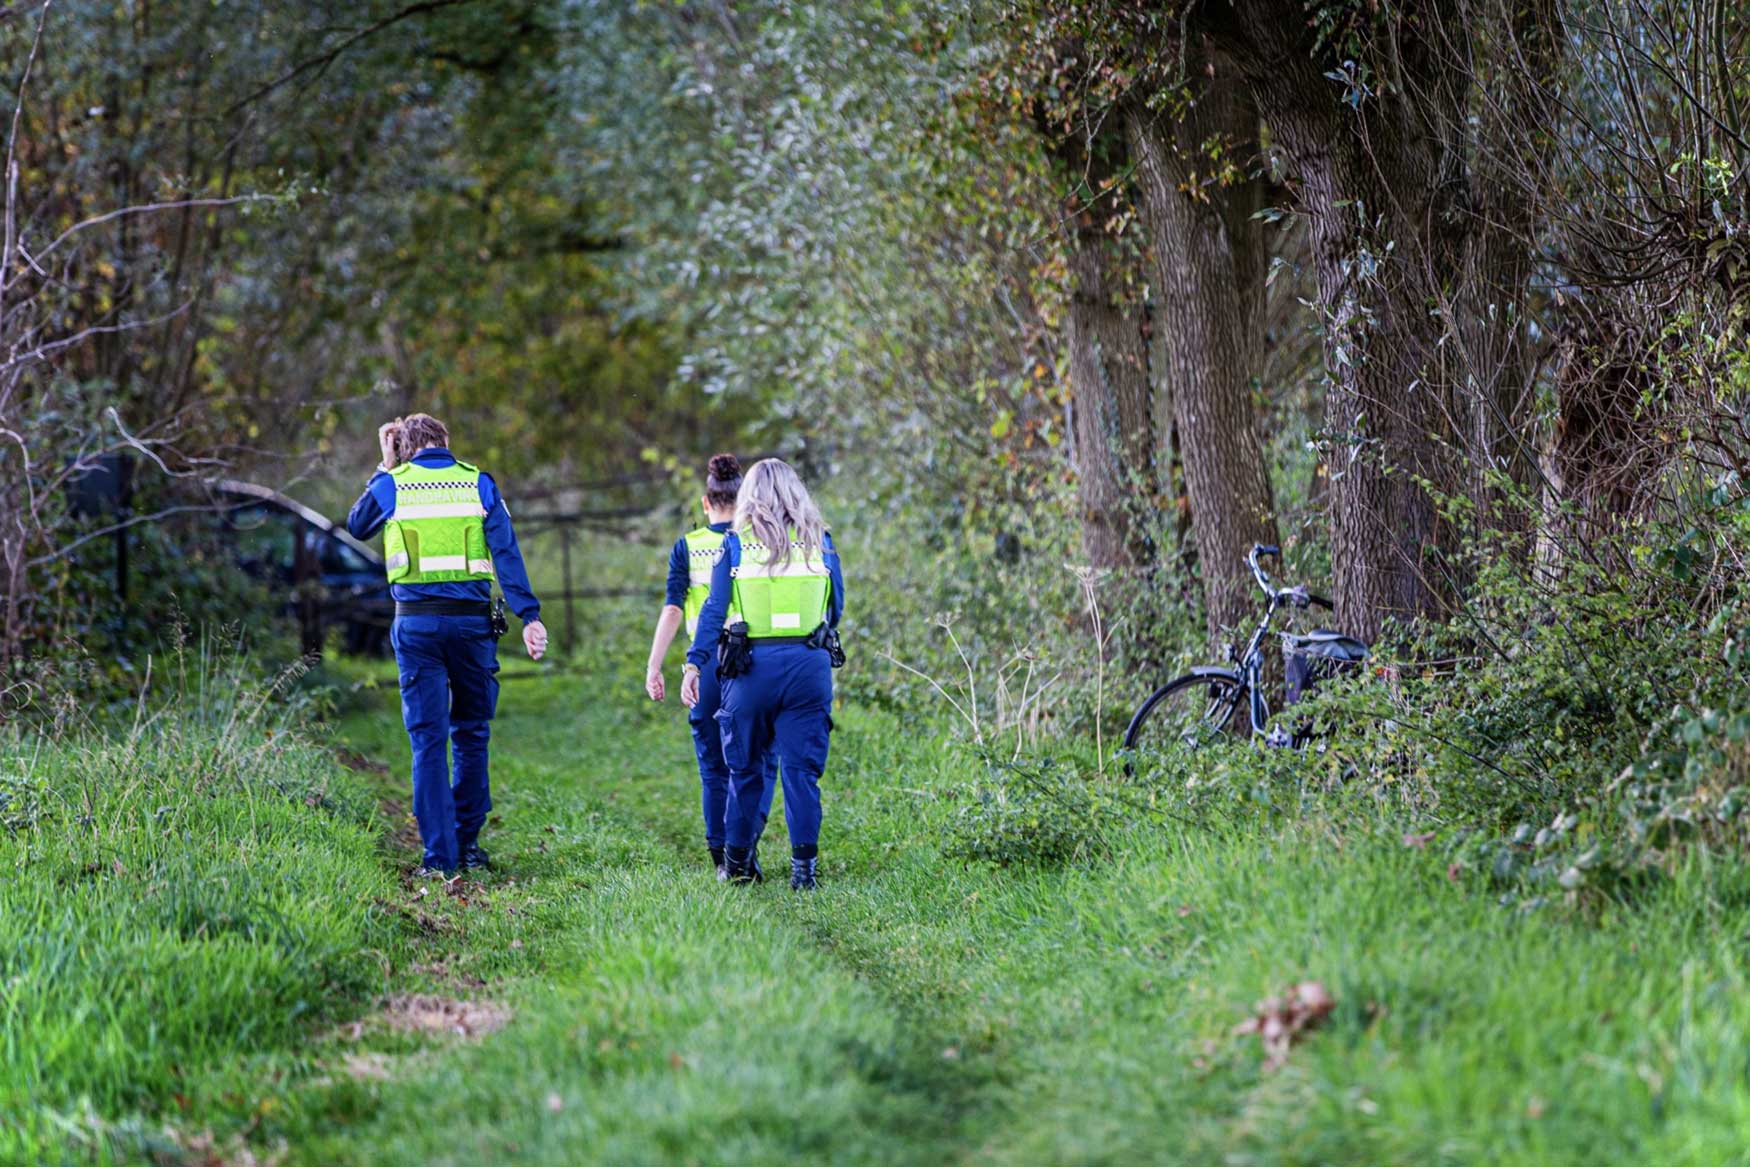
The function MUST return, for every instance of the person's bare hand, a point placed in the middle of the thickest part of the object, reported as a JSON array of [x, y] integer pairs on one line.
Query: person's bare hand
[[654, 686], [387, 435], [690, 688], [535, 639]]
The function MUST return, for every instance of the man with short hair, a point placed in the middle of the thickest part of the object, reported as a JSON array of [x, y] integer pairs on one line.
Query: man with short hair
[[447, 536]]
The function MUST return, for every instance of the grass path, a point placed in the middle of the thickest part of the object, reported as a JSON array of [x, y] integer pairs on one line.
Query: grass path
[[658, 1016], [919, 1010]]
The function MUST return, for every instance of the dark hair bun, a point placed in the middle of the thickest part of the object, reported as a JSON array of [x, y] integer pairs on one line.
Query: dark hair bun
[[724, 467]]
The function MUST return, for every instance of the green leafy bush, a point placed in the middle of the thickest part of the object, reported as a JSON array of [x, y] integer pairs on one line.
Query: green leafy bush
[[1043, 812]]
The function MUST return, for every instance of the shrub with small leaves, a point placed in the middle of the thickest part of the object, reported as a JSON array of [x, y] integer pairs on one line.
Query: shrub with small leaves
[[1043, 812]]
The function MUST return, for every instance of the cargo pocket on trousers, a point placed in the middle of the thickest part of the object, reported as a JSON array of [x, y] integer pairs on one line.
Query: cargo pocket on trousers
[[734, 749], [474, 696]]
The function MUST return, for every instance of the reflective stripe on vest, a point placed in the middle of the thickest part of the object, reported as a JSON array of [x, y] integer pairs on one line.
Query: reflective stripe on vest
[[780, 599], [703, 547], [437, 532]]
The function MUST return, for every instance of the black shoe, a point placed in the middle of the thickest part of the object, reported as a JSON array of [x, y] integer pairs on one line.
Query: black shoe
[[737, 865], [753, 864], [717, 862], [802, 874], [475, 859]]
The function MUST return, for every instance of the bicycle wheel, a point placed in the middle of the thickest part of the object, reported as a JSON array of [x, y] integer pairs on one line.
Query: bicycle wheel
[[1187, 713]]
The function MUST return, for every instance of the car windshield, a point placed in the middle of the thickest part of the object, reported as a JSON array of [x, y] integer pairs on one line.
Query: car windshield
[[335, 555], [264, 536]]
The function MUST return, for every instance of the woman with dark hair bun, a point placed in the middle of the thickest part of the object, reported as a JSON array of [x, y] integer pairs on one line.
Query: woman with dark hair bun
[[689, 582]]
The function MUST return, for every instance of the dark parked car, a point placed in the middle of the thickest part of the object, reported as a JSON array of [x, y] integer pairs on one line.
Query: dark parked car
[[327, 576]]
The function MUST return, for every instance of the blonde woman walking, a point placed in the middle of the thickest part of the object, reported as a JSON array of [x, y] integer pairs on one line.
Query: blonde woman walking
[[769, 628]]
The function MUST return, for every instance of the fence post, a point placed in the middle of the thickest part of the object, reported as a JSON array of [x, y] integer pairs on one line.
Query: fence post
[[570, 616]]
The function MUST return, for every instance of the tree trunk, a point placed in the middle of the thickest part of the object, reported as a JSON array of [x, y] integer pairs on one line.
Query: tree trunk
[[1108, 376], [1383, 184], [1210, 264]]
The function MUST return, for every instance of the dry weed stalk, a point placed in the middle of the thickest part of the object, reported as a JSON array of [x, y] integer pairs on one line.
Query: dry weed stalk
[[1017, 713]]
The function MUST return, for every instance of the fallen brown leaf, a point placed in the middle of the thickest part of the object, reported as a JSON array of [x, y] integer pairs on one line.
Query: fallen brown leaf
[[1280, 1021], [1419, 841]]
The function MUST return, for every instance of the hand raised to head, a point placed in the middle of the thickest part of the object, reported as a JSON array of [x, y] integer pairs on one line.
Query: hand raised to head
[[388, 438]]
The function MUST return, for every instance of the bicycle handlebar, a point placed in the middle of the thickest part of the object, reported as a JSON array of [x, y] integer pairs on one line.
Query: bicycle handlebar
[[1297, 595], [1258, 573]]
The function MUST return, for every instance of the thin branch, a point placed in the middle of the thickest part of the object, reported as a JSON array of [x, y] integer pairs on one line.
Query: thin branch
[[66, 549], [323, 60], [934, 684], [11, 173], [149, 208], [37, 354]]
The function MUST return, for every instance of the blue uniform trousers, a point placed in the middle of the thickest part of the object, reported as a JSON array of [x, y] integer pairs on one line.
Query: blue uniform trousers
[[783, 703], [449, 692], [713, 770]]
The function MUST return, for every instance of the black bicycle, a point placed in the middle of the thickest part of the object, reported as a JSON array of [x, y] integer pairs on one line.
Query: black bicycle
[[1200, 708]]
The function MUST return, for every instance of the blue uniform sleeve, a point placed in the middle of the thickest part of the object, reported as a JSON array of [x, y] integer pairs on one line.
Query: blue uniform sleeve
[[835, 604], [716, 604], [679, 573], [507, 558], [374, 507]]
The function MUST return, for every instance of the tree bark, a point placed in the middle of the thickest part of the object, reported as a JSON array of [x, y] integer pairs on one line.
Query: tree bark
[[1108, 376], [1209, 265], [1382, 179]]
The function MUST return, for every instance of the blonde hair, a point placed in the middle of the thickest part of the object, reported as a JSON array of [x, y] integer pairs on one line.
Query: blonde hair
[[775, 507]]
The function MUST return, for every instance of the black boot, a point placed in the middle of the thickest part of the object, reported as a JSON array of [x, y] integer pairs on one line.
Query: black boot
[[753, 863], [717, 862], [803, 862], [737, 867], [475, 859]]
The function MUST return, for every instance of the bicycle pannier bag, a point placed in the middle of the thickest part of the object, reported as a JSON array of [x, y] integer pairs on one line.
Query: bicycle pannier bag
[[1319, 656]]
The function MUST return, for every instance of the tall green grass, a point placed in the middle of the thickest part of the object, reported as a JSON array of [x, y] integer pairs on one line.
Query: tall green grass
[[1068, 1005], [182, 890], [925, 1009]]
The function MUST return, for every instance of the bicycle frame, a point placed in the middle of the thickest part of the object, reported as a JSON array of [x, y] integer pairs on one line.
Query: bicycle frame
[[1251, 661], [1241, 671]]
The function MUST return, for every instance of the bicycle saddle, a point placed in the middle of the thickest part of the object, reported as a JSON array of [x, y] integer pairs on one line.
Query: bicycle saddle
[[1324, 642]]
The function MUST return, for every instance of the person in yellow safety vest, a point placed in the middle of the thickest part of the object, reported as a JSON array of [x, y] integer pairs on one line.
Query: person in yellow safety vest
[[446, 538], [689, 581], [769, 630]]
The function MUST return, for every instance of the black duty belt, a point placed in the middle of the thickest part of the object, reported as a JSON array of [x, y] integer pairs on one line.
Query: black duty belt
[[443, 608], [758, 640]]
